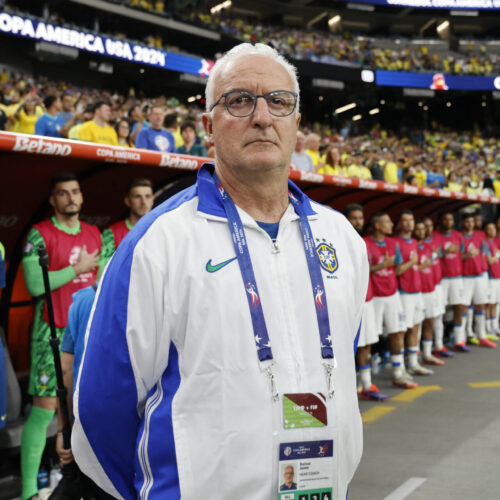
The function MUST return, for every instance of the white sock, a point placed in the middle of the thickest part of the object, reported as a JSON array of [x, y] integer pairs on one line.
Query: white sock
[[489, 325], [413, 357], [480, 327], [438, 332], [459, 333], [470, 316], [427, 348], [397, 365], [365, 375]]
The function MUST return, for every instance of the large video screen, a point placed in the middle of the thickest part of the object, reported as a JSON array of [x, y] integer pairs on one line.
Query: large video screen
[[438, 4], [436, 81]]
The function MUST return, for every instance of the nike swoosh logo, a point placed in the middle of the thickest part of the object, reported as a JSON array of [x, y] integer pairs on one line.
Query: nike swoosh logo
[[213, 268]]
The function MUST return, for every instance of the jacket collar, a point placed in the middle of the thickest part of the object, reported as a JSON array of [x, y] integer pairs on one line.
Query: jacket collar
[[210, 203]]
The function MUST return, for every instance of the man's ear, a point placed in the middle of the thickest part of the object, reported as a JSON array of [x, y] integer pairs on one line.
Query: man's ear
[[208, 125]]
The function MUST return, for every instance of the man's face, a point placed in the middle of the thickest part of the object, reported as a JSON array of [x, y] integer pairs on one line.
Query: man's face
[[420, 231], [313, 143], [58, 104], [67, 103], [357, 220], [259, 142], [406, 223], [104, 113], [140, 200], [429, 227], [288, 474], [188, 135], [468, 224], [490, 230], [299, 145], [447, 222], [384, 225], [66, 198], [156, 118]]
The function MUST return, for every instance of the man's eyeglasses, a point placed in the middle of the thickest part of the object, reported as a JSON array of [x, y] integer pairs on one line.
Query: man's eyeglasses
[[242, 103]]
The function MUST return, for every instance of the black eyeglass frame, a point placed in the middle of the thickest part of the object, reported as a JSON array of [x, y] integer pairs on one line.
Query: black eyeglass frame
[[256, 97]]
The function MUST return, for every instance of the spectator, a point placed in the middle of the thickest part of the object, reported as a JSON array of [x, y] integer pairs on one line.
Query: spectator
[[137, 121], [67, 112], [391, 170], [98, 129], [171, 123], [332, 163], [50, 124], [300, 159], [28, 113], [155, 137], [122, 129], [312, 148], [190, 146], [74, 131]]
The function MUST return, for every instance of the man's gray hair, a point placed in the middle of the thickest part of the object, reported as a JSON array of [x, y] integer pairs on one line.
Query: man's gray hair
[[247, 49]]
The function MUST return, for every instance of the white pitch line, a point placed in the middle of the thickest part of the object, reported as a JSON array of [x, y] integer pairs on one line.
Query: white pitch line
[[406, 488]]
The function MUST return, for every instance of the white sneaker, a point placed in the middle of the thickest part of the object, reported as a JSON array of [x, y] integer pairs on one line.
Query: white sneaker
[[420, 370]]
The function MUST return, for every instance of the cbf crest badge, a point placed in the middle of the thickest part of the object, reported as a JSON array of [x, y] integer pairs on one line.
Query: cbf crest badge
[[327, 256]]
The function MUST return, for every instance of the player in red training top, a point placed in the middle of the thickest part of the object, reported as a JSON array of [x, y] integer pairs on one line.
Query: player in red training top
[[475, 279], [432, 239], [410, 289], [493, 255], [451, 243], [384, 255], [139, 200], [368, 334], [431, 307], [73, 247]]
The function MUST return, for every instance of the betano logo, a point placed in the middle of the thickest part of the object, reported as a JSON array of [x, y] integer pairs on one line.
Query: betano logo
[[168, 160], [41, 147]]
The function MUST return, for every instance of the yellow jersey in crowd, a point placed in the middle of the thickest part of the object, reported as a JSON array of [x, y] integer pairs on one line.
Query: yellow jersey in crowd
[[91, 132]]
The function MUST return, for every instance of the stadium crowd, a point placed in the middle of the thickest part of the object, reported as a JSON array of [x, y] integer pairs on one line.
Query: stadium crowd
[[465, 162], [320, 46]]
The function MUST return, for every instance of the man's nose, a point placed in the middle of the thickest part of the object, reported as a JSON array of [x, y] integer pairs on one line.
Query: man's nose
[[261, 116]]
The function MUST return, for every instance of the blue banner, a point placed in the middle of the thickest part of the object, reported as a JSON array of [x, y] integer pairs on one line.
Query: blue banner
[[436, 81], [103, 45], [438, 4]]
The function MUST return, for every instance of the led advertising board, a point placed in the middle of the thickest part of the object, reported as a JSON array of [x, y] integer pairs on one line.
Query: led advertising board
[[436, 81], [102, 45], [438, 4]]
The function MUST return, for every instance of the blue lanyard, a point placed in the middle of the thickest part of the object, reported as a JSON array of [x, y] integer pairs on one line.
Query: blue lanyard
[[261, 335]]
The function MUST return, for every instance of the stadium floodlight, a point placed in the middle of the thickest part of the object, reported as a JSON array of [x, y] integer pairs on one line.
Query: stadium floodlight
[[355, 118], [443, 26], [220, 6], [347, 107], [374, 111], [334, 20], [191, 99]]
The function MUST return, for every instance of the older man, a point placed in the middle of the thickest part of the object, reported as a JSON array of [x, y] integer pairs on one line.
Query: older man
[[226, 321], [300, 159]]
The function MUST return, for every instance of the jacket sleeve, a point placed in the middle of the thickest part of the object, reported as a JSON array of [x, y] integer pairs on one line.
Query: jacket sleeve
[[126, 353]]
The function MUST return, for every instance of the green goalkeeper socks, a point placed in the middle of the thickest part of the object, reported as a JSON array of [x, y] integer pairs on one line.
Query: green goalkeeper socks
[[32, 446]]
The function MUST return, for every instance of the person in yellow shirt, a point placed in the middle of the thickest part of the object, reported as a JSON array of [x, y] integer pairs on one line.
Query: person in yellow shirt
[[312, 148], [27, 114], [98, 129], [74, 131], [390, 168], [452, 184], [332, 163], [420, 174]]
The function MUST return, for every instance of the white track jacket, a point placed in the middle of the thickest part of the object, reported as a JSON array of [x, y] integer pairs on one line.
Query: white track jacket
[[171, 401]]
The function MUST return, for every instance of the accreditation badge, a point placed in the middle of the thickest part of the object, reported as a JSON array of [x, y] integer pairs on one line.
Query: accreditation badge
[[305, 466]]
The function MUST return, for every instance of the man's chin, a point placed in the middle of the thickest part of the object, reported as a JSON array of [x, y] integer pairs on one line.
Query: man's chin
[[71, 213]]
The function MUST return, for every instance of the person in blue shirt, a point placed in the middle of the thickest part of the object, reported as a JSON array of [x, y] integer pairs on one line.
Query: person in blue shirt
[[50, 123], [155, 137]]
